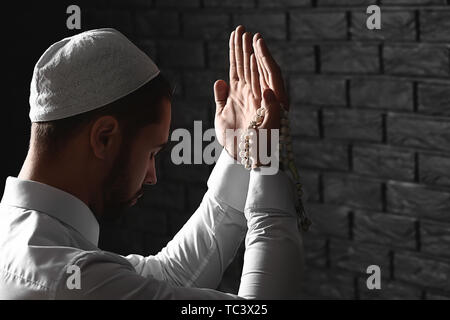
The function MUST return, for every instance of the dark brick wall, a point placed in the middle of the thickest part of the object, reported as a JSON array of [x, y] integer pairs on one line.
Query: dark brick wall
[[371, 124], [370, 116]]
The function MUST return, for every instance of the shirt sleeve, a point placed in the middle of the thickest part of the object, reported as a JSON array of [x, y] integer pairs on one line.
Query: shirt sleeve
[[200, 252], [104, 275], [191, 265], [273, 261]]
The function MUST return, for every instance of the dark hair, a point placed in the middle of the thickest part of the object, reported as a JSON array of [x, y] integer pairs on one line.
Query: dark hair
[[133, 112]]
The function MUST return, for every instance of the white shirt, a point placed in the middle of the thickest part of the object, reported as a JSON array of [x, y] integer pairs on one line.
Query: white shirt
[[45, 233]]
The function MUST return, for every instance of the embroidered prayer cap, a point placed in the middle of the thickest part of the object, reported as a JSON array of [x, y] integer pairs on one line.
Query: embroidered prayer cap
[[85, 72]]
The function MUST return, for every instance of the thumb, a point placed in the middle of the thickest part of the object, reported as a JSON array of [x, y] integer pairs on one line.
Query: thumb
[[220, 94], [272, 106]]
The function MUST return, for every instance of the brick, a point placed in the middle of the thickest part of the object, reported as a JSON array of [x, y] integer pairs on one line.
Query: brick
[[270, 25], [400, 26], [352, 124], [423, 271], [318, 91], [434, 99], [181, 54], [381, 94], [329, 220], [92, 19], [176, 81], [156, 24], [139, 218], [356, 58], [318, 26], [357, 257], [420, 132], [435, 238], [303, 122], [435, 25], [352, 191], [185, 112], [218, 57], [200, 84], [320, 155], [328, 284], [230, 3], [418, 201], [177, 219], [208, 26], [149, 47], [178, 3], [390, 290], [384, 229], [164, 195], [154, 243], [437, 296], [186, 172], [434, 169], [120, 240], [284, 3], [412, 2], [310, 181], [415, 60], [120, 20], [333, 3], [315, 249], [195, 193], [293, 57], [383, 162]]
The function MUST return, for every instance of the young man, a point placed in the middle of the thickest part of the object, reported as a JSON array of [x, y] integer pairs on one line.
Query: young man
[[100, 112]]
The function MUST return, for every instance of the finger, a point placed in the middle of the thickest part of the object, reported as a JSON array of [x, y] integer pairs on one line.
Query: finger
[[238, 52], [273, 108], [247, 51], [269, 65], [255, 38], [264, 72], [262, 80], [273, 71], [265, 54], [233, 72], [220, 95], [256, 88]]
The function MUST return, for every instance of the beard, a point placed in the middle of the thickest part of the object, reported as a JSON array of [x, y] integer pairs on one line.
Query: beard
[[116, 197]]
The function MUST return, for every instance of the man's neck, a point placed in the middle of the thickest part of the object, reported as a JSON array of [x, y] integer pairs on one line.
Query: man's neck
[[59, 174]]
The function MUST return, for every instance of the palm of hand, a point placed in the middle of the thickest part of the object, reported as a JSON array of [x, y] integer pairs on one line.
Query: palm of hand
[[239, 109], [251, 73]]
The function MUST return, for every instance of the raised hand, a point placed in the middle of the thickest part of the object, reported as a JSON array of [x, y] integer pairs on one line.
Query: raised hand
[[271, 76], [236, 103]]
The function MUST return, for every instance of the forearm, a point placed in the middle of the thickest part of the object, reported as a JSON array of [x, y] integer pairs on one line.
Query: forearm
[[207, 243], [200, 252], [273, 262]]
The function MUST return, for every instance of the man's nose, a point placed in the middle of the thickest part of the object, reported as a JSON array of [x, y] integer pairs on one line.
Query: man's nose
[[150, 178]]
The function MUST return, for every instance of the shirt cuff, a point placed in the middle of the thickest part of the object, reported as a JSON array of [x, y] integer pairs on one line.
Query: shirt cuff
[[269, 193], [229, 181]]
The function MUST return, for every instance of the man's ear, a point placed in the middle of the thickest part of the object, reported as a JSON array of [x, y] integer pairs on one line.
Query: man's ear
[[105, 137]]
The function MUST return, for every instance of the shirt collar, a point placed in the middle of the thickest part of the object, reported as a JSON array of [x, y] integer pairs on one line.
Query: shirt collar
[[57, 203]]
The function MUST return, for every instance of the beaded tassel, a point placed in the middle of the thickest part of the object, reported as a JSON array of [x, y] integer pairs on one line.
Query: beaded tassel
[[248, 159], [245, 148], [246, 152], [288, 165]]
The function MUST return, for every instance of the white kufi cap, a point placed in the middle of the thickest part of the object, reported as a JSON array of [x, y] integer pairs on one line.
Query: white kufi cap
[[85, 72]]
